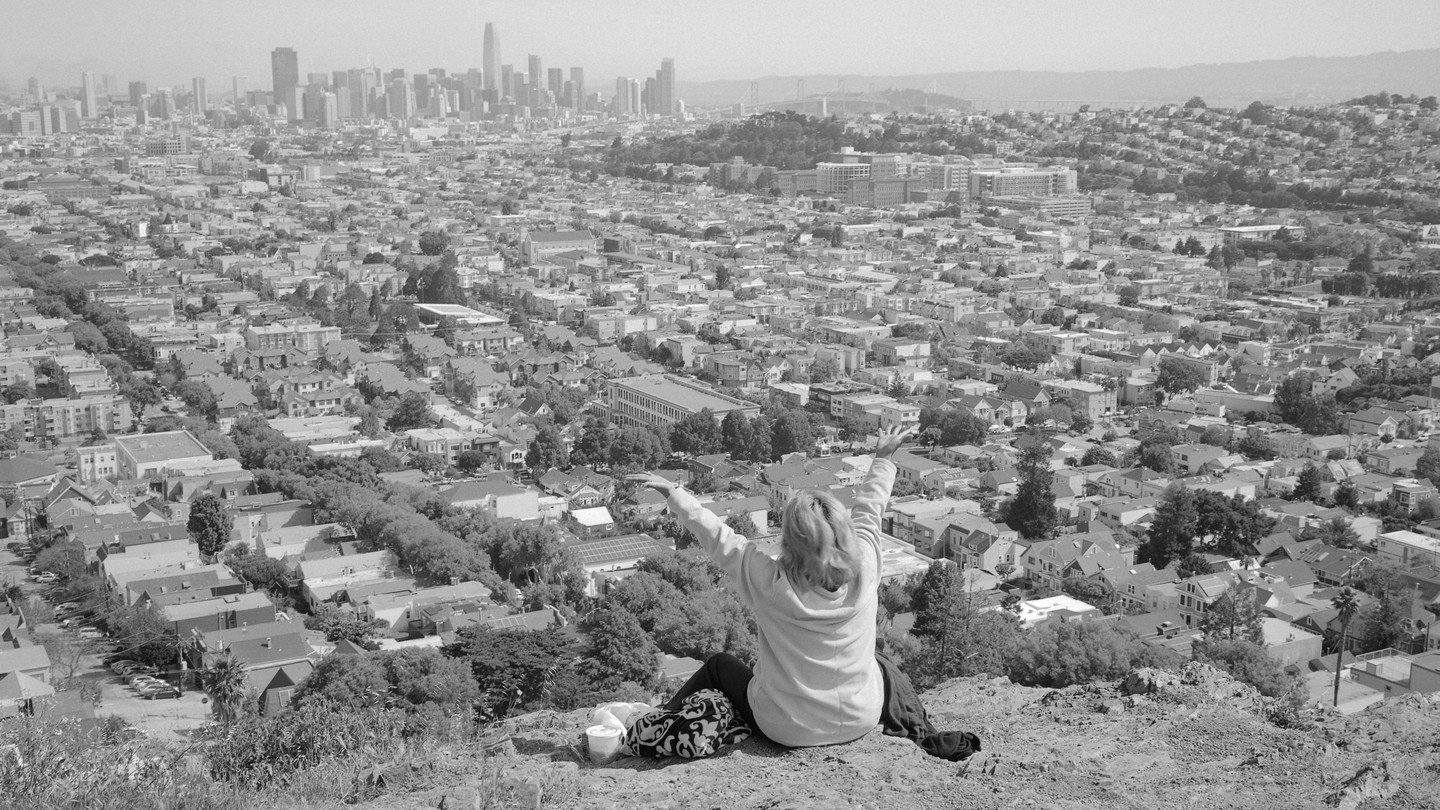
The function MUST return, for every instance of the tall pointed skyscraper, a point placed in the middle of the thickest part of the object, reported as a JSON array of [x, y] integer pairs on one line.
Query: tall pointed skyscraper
[[491, 64]]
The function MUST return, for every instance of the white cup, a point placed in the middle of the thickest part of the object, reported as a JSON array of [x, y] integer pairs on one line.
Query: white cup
[[604, 743]]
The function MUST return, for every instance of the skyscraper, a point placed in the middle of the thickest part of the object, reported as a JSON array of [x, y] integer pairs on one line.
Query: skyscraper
[[138, 91], [577, 77], [665, 88], [491, 57], [202, 100], [537, 73], [237, 88], [89, 95], [556, 82], [285, 76]]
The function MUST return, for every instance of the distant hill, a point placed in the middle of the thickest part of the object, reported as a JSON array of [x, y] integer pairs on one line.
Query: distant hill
[[1300, 80]]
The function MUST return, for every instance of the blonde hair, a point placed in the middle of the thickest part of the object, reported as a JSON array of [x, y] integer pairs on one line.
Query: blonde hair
[[817, 542]]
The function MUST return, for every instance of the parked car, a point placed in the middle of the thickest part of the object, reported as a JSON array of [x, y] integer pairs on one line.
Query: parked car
[[91, 634], [162, 693], [120, 666]]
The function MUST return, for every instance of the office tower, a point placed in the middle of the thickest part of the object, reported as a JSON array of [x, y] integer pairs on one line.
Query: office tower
[[507, 81], [491, 56], [577, 77], [138, 91], [400, 100], [34, 89], [652, 91], [165, 106], [556, 81], [237, 89], [285, 78], [109, 84], [359, 82], [329, 110], [536, 72], [665, 83], [632, 102], [89, 95], [202, 100], [622, 97]]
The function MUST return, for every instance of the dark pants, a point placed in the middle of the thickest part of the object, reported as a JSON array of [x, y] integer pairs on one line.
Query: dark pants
[[729, 675]]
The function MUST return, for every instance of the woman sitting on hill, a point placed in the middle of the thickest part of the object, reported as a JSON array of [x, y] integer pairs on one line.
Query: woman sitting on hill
[[816, 680]]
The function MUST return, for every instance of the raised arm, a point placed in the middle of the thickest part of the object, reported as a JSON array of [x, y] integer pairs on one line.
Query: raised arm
[[749, 569], [872, 496]]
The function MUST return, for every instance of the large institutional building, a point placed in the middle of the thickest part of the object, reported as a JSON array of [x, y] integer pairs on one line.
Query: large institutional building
[[662, 400]]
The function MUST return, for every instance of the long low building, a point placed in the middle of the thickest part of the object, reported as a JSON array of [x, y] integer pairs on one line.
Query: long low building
[[661, 400]]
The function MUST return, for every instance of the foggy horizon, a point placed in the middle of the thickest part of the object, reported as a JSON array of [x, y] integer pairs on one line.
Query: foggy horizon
[[734, 41]]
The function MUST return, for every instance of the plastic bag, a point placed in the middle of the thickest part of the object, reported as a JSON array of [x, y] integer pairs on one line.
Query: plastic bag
[[619, 716]]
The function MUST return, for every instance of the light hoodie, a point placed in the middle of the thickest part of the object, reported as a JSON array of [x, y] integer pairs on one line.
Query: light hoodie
[[816, 679]]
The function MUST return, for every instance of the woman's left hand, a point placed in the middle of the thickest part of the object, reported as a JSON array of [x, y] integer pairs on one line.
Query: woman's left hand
[[660, 484]]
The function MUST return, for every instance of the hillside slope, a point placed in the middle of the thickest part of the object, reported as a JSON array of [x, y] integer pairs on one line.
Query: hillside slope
[[1154, 740]]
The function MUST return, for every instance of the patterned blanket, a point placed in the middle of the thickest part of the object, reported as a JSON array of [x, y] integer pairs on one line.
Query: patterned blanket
[[704, 723]]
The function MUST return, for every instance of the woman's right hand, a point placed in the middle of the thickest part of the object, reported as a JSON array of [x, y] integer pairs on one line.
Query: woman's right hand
[[890, 440], [660, 484]]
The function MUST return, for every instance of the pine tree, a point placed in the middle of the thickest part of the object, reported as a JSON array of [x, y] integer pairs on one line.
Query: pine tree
[[1307, 485], [209, 524], [1173, 529], [1032, 511], [1234, 617]]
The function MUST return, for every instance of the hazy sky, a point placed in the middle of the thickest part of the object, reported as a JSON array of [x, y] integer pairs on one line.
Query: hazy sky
[[166, 42]]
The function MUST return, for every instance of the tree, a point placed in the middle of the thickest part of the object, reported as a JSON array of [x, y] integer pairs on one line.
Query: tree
[[1097, 455], [1173, 528], [412, 411], [792, 433], [547, 449], [1059, 654], [1174, 376], [1230, 525], [198, 397], [514, 668], [1129, 295], [1307, 485], [1192, 565], [1384, 623], [1032, 511], [1428, 465], [637, 448], [443, 286], [263, 572], [737, 435], [619, 650], [339, 624], [1234, 617], [958, 632], [592, 446], [1246, 662], [209, 524], [741, 524], [1347, 495], [227, 683], [697, 434], [1347, 604], [824, 370], [1194, 103], [1362, 262], [374, 258], [433, 243]]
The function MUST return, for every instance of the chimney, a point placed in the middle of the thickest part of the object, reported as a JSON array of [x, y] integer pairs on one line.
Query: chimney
[[266, 644]]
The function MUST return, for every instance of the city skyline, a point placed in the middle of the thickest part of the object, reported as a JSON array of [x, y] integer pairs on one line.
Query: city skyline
[[713, 43]]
